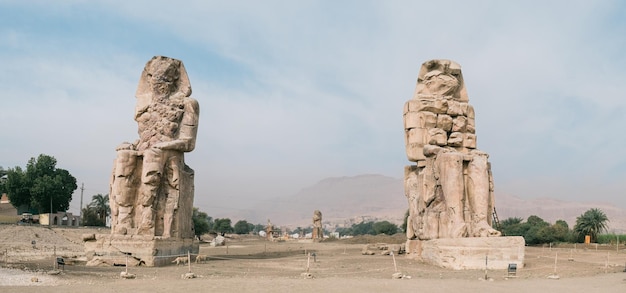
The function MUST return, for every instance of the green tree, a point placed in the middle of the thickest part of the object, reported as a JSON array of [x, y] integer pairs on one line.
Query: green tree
[[243, 227], [561, 231], [100, 205], [258, 228], [41, 186], [535, 230], [363, 228], [385, 227], [592, 222], [90, 217], [512, 227], [223, 226], [3, 179], [201, 222]]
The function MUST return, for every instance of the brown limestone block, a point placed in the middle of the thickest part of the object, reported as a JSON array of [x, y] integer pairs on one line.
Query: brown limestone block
[[415, 152], [469, 112], [421, 119], [469, 140], [437, 136], [444, 122], [454, 108], [438, 106], [459, 124], [470, 125], [456, 139]]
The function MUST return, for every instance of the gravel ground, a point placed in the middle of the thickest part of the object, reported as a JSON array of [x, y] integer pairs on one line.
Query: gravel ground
[[251, 264]]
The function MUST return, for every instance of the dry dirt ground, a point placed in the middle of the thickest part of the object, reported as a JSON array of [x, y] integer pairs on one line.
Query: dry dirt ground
[[251, 264]]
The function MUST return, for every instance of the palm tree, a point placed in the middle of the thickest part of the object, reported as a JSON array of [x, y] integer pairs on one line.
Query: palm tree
[[100, 203], [592, 222]]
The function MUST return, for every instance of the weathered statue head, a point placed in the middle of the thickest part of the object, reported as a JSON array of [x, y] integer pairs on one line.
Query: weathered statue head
[[441, 77], [163, 75]]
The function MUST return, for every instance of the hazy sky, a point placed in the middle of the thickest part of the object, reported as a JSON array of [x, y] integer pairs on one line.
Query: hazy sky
[[292, 92]]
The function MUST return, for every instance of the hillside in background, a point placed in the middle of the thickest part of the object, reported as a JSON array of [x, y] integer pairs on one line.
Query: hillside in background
[[348, 200], [340, 199]]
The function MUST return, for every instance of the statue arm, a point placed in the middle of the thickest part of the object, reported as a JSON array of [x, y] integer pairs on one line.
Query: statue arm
[[186, 141]]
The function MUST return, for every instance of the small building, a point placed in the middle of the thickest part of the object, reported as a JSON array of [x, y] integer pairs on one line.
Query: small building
[[56, 219], [60, 219]]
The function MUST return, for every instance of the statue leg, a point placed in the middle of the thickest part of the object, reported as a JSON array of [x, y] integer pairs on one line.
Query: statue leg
[[173, 194], [123, 191], [450, 169], [479, 196], [150, 181]]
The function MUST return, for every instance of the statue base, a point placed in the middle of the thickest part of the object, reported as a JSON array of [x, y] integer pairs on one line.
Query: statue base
[[473, 253], [134, 250]]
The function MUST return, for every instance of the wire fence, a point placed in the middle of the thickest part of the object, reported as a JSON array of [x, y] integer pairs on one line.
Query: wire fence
[[555, 258]]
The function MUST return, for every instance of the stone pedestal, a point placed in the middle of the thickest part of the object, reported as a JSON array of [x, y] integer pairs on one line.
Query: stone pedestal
[[469, 253], [142, 250]]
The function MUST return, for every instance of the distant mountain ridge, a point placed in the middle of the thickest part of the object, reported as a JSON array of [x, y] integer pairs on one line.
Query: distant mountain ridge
[[349, 199]]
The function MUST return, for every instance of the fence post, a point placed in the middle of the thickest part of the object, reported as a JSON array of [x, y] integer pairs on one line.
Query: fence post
[[189, 260]]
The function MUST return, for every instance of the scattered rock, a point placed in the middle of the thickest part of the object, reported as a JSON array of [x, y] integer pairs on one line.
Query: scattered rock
[[34, 279], [218, 241], [307, 275], [125, 275], [399, 275]]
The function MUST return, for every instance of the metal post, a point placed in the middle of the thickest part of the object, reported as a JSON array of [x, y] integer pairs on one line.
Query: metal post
[[556, 257], [50, 215], [486, 256], [189, 259], [308, 262], [82, 188]]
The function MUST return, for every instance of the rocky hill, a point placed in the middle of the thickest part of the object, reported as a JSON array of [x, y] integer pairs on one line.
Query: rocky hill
[[347, 200]]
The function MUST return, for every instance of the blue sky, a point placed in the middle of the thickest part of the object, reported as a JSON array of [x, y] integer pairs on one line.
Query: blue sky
[[292, 92]]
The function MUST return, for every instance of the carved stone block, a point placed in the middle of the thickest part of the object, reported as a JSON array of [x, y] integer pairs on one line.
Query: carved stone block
[[444, 122], [419, 120]]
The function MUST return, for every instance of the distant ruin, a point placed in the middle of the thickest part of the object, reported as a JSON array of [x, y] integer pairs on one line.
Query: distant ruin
[[318, 231]]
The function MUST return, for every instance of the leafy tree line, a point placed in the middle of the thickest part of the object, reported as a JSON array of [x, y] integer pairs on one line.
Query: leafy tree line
[[97, 211], [370, 228], [40, 188], [537, 231], [204, 224]]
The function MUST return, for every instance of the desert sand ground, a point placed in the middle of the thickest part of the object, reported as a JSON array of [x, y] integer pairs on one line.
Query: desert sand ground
[[252, 264]]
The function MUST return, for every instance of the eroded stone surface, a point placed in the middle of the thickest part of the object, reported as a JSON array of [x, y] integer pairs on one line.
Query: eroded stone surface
[[151, 187], [450, 188]]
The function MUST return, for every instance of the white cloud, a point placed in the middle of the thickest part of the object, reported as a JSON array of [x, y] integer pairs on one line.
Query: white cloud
[[315, 89]]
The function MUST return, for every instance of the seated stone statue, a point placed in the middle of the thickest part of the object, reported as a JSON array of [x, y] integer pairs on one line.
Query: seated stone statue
[[318, 231], [152, 187], [450, 189]]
